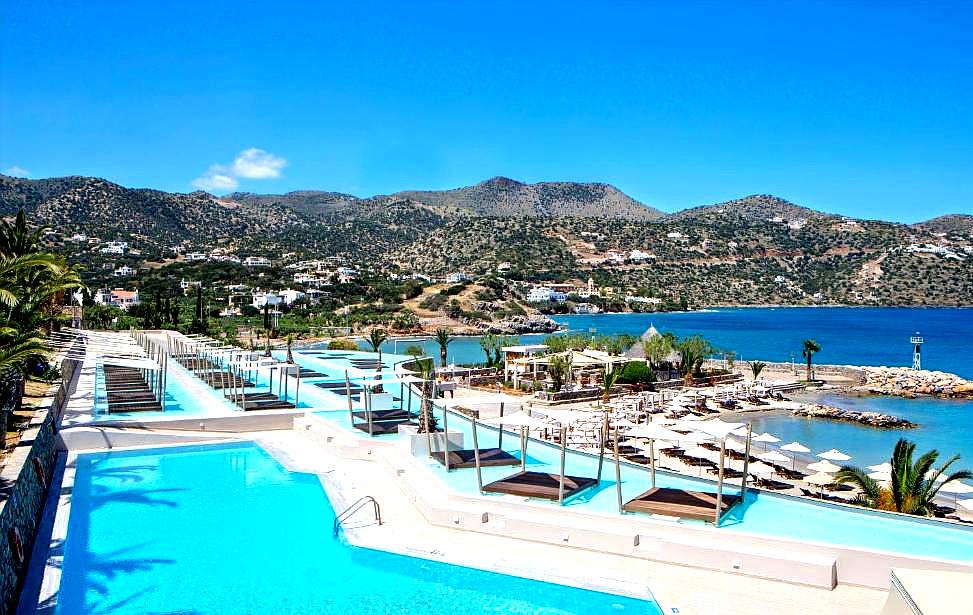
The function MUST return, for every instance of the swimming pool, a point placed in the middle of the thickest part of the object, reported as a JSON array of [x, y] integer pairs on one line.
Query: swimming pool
[[762, 513], [225, 529]]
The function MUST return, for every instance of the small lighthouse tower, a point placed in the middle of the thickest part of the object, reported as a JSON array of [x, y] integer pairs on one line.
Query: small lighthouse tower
[[917, 351]]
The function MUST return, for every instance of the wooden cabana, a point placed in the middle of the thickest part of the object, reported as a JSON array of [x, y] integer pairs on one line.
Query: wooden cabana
[[543, 485], [467, 458], [684, 503]]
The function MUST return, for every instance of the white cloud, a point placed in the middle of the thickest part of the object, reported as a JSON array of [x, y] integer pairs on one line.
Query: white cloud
[[255, 163], [16, 171], [252, 163], [216, 178]]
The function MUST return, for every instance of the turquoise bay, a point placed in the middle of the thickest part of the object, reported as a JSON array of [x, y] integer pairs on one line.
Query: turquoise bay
[[854, 336]]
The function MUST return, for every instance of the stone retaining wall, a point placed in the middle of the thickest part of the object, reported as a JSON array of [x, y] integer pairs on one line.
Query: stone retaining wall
[[23, 488]]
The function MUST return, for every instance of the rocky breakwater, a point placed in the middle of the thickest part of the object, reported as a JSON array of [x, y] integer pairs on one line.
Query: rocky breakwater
[[523, 324], [872, 419], [906, 382]]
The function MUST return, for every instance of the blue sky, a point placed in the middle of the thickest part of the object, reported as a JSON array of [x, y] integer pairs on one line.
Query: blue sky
[[845, 107]]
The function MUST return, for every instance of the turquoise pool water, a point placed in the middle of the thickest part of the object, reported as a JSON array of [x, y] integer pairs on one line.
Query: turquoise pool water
[[226, 530], [762, 513]]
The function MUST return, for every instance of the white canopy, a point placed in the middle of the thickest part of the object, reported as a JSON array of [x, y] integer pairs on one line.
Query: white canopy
[[967, 503], [765, 437], [823, 466], [882, 477], [517, 419], [795, 447], [773, 456], [834, 455], [821, 478], [884, 467], [955, 486]]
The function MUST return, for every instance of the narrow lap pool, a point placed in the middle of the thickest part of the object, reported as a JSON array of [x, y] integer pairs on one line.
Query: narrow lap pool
[[225, 529]]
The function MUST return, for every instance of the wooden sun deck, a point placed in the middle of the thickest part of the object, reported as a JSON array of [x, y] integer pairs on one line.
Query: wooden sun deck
[[539, 485], [466, 458], [383, 428], [680, 503]]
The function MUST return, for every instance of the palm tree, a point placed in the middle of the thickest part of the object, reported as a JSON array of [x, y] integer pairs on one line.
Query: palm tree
[[913, 485], [290, 344], [692, 352], [443, 338], [810, 347], [608, 382], [376, 338], [426, 370], [756, 367], [488, 342], [559, 369]]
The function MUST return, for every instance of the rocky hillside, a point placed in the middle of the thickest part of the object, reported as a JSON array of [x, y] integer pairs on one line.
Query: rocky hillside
[[501, 197], [755, 250], [956, 224], [757, 207]]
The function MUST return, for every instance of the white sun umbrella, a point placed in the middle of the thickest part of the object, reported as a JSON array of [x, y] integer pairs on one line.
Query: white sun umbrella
[[967, 503], [736, 445], [956, 488], [622, 422], [795, 447], [716, 428], [766, 439], [834, 455], [823, 466], [885, 468], [742, 431], [930, 473], [773, 457], [820, 479], [761, 469], [882, 477]]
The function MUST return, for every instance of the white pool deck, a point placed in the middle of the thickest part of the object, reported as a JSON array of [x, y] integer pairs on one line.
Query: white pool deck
[[687, 569]]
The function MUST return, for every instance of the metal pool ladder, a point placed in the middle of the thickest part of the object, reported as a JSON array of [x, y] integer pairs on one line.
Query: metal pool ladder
[[355, 507]]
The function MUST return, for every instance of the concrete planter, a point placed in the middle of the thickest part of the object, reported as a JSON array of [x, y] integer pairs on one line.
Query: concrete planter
[[418, 441]]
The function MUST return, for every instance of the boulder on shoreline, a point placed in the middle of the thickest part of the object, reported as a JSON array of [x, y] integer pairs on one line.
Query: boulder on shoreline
[[872, 419], [907, 382]]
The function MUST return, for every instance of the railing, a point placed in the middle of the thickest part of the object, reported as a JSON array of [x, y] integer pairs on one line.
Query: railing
[[355, 507]]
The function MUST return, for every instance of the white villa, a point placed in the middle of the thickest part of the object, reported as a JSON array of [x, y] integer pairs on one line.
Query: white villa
[[118, 297], [256, 261]]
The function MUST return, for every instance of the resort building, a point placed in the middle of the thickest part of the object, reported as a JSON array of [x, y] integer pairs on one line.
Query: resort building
[[124, 271], [542, 294], [195, 256]]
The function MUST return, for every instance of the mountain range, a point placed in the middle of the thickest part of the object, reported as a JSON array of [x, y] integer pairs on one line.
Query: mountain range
[[757, 249]]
